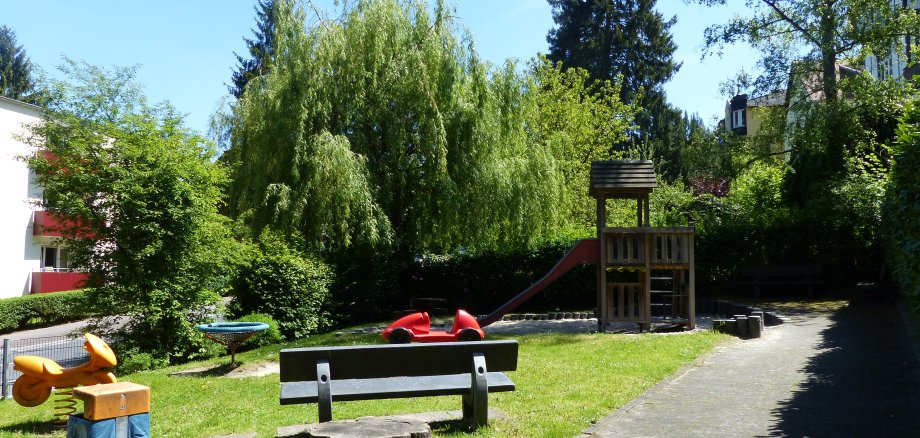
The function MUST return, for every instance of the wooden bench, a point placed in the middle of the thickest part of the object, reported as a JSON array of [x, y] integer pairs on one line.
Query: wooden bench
[[804, 275], [371, 372]]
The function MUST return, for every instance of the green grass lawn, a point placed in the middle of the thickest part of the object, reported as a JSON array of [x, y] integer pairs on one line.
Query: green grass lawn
[[564, 383]]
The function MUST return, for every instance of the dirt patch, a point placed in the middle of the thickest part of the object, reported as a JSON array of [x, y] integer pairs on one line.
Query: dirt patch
[[232, 371]]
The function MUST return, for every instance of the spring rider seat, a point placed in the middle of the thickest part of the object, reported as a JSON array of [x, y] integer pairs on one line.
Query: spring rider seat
[[42, 375]]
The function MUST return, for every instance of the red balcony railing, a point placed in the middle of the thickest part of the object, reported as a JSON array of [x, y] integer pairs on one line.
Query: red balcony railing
[[57, 281], [48, 224]]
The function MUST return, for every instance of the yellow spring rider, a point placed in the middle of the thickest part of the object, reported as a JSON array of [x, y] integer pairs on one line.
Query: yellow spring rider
[[41, 375]]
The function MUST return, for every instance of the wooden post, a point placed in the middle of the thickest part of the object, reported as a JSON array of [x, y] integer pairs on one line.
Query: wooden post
[[755, 326], [648, 214], [602, 316], [727, 326], [691, 286], [647, 283], [742, 321], [639, 211]]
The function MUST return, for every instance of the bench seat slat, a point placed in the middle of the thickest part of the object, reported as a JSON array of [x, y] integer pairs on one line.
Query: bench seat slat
[[391, 387], [394, 360]]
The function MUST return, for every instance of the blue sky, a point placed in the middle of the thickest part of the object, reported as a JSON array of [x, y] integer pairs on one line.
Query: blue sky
[[185, 47]]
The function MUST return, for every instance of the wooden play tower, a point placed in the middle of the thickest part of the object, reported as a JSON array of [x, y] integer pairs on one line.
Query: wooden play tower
[[645, 274]]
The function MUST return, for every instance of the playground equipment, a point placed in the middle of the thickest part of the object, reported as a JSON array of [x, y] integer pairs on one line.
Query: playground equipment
[[41, 375], [645, 274], [417, 327], [232, 334]]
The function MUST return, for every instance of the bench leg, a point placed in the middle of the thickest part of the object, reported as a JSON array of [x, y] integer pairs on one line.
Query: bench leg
[[476, 403], [323, 391]]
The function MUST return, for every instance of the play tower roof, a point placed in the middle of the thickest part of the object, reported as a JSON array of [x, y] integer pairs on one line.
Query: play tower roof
[[622, 179]]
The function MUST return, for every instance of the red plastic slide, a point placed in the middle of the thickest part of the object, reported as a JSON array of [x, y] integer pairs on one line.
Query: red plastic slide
[[587, 251]]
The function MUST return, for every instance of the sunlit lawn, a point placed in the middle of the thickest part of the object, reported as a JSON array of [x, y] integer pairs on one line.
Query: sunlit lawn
[[564, 383]]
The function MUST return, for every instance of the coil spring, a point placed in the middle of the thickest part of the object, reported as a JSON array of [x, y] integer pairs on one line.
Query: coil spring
[[64, 406]]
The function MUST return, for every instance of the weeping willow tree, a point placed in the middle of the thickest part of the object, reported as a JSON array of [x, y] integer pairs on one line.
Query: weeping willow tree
[[383, 130]]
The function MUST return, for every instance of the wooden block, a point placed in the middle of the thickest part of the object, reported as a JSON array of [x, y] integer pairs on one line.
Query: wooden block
[[742, 326], [727, 326], [113, 400], [755, 326]]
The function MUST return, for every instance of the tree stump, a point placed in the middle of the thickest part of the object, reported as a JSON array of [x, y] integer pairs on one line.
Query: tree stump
[[743, 328], [371, 427]]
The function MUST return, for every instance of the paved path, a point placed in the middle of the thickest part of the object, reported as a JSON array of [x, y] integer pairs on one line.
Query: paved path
[[67, 329], [853, 372]]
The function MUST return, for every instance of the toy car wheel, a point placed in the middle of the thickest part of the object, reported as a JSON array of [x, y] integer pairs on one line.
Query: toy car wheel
[[469, 334], [400, 336]]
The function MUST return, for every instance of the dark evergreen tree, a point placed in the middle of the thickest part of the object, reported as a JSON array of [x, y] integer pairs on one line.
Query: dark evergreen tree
[[626, 40], [260, 47], [15, 68]]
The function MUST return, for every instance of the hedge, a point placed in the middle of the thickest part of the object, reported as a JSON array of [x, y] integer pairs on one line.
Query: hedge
[[39, 310], [481, 282], [902, 207]]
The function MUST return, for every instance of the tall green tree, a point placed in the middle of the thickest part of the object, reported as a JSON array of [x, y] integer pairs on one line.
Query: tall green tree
[[145, 191], [577, 119], [384, 130], [803, 43], [260, 48], [15, 68], [625, 39]]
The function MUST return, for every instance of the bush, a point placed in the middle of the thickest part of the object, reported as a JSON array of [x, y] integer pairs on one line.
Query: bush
[[134, 360], [902, 208], [45, 309], [268, 337], [291, 288]]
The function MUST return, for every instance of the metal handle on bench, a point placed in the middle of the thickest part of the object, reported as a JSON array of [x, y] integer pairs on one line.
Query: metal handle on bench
[[476, 404], [323, 390]]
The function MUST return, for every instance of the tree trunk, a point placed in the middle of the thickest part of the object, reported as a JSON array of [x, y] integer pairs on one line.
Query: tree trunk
[[829, 78]]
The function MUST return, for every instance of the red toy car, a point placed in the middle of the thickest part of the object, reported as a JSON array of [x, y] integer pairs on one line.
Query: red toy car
[[417, 327]]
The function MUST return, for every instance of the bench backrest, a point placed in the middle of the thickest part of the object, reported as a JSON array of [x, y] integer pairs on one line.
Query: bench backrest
[[393, 360], [781, 271]]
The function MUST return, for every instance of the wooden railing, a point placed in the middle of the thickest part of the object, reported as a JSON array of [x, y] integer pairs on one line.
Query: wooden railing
[[626, 302], [669, 248]]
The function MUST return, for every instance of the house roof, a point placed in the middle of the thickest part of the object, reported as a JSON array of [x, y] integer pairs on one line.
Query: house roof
[[626, 179], [773, 99], [20, 107]]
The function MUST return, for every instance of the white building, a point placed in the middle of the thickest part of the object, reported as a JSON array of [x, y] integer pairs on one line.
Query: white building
[[901, 62], [30, 258]]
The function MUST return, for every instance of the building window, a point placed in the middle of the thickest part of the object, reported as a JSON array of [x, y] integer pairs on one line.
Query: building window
[[54, 259], [738, 118]]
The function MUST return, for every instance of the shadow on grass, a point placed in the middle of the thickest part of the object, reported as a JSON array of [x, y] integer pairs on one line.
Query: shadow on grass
[[863, 381], [551, 339], [32, 428], [214, 371], [452, 426]]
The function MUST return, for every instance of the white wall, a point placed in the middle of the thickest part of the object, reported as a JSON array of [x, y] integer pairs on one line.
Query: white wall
[[19, 255]]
